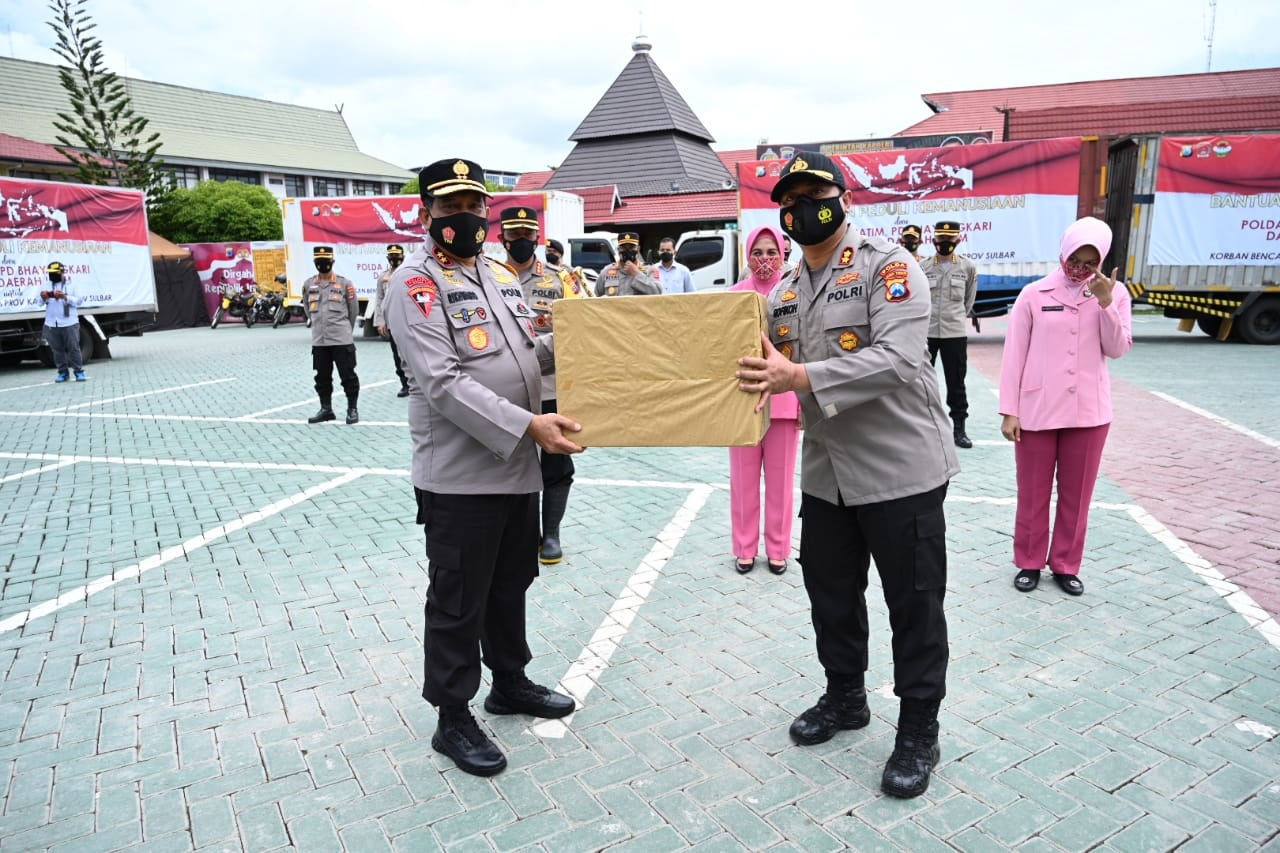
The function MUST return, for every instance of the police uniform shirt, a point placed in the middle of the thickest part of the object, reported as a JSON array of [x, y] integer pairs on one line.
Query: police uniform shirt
[[613, 282], [875, 428], [333, 307], [474, 360], [380, 298], [952, 289], [543, 284]]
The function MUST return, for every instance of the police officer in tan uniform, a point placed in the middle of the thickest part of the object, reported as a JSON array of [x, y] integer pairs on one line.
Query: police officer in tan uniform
[[847, 331], [629, 276], [542, 284], [910, 240], [953, 287], [475, 362], [395, 257], [333, 308]]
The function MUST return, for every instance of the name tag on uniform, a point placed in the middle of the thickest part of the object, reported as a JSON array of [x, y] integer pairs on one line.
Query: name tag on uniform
[[1053, 308]]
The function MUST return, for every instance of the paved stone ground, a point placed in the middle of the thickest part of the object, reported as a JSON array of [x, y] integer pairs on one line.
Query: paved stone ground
[[211, 611]]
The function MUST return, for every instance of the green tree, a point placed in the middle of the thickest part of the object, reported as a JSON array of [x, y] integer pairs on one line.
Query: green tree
[[217, 212], [103, 136]]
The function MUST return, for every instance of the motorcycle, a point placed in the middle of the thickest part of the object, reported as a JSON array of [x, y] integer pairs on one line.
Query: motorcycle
[[235, 303], [268, 308]]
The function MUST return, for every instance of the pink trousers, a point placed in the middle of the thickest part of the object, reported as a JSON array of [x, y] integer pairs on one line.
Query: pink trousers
[[1074, 455], [776, 454]]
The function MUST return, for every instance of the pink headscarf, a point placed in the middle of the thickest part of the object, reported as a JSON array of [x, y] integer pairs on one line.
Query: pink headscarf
[[1087, 231], [750, 282]]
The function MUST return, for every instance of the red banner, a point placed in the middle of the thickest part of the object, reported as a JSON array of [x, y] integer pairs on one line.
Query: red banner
[[47, 210], [1219, 164], [220, 265], [391, 219]]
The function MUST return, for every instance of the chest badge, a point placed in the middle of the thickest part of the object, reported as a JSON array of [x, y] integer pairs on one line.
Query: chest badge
[[848, 341], [785, 349], [782, 331], [848, 277], [478, 338], [788, 295], [1086, 293]]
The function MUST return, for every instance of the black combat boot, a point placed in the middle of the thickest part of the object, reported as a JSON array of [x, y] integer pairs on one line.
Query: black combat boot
[[843, 706], [458, 736], [962, 439], [915, 749], [514, 693], [325, 413], [353, 416], [554, 501], [404, 389]]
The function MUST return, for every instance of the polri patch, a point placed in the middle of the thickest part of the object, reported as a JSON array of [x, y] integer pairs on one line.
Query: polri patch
[[894, 275], [422, 291]]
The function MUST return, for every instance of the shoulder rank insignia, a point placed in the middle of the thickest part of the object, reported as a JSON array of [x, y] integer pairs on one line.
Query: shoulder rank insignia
[[894, 276], [443, 259], [846, 257], [537, 267]]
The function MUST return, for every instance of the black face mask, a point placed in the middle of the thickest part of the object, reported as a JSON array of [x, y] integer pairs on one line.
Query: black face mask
[[553, 258], [945, 248], [395, 260], [324, 266], [666, 257], [911, 245], [629, 255], [461, 234], [811, 220], [521, 250], [55, 277]]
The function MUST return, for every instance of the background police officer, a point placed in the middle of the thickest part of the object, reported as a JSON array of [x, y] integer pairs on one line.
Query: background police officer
[[847, 331], [953, 286], [629, 276], [333, 308], [542, 284], [910, 240], [395, 257], [468, 342]]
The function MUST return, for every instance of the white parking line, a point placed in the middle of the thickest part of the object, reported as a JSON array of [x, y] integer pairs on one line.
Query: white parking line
[[583, 673], [81, 593], [62, 463], [1219, 420], [209, 463], [310, 401], [139, 394], [25, 387]]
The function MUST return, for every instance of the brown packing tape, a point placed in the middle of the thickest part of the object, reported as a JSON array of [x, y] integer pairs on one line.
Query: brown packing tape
[[658, 371]]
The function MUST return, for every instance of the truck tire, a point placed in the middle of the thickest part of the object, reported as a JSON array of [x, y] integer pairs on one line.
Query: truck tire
[[1209, 325], [88, 342], [1260, 323], [217, 318]]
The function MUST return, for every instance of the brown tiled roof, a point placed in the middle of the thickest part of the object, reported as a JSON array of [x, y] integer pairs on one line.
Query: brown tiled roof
[[687, 207], [1207, 115], [17, 148], [976, 110]]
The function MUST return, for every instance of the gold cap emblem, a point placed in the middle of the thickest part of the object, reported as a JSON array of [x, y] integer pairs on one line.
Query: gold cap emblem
[[799, 165], [461, 169], [522, 214]]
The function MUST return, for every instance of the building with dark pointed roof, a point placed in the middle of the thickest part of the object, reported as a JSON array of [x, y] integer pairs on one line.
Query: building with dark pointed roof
[[643, 138]]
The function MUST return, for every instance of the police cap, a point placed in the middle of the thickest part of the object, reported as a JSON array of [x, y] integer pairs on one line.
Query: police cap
[[912, 231], [555, 246], [628, 238], [54, 266], [519, 217], [946, 229], [322, 252], [395, 249], [452, 175], [807, 164]]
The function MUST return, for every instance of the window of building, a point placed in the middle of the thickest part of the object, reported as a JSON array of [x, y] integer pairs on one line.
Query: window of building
[[184, 176], [366, 188], [329, 186], [295, 186], [251, 178]]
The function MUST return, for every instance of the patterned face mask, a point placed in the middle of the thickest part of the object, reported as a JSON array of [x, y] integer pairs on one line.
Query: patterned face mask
[[763, 267], [1078, 273]]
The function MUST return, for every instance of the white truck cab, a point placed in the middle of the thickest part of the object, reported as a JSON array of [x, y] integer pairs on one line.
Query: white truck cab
[[711, 256], [593, 251]]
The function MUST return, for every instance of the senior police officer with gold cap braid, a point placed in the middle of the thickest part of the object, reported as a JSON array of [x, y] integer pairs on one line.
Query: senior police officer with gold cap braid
[[628, 277], [847, 332], [332, 306], [475, 362], [395, 257], [542, 285], [953, 287]]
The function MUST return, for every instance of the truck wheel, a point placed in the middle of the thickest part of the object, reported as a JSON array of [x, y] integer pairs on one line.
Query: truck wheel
[[1260, 323], [217, 318], [1209, 325], [88, 342]]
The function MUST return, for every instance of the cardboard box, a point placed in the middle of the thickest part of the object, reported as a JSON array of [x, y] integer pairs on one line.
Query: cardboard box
[[658, 371]]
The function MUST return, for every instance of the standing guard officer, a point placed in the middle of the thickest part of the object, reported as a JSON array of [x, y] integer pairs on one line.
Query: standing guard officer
[[910, 240], [469, 344], [629, 276], [847, 331], [953, 287], [542, 284], [333, 308], [395, 257]]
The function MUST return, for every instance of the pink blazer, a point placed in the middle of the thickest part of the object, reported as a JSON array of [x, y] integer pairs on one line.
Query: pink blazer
[[781, 406], [1053, 374]]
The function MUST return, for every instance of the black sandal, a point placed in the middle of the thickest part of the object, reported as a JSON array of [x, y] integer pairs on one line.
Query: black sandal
[[778, 568], [744, 566], [1070, 584], [1027, 580]]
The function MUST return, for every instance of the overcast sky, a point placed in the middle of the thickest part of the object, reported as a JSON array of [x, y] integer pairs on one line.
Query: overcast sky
[[506, 83]]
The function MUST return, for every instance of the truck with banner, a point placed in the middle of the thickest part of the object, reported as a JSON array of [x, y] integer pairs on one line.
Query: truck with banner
[[100, 236], [359, 228], [1188, 214]]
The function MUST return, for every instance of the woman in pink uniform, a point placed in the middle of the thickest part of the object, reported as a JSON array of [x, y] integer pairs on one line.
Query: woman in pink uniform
[[1055, 396], [776, 452]]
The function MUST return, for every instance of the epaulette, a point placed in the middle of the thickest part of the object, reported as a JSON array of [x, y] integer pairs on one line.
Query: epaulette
[[502, 264]]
